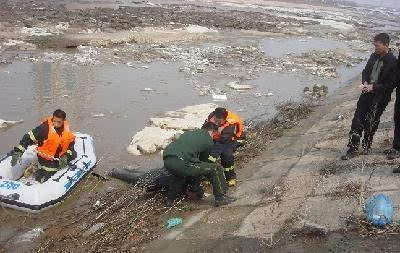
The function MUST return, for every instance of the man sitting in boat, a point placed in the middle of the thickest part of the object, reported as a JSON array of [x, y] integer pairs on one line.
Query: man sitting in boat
[[55, 146]]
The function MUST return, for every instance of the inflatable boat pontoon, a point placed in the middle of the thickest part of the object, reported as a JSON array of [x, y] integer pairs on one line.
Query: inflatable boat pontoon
[[28, 195]]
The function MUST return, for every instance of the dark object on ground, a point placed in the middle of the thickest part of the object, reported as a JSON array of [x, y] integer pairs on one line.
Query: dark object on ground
[[223, 200], [154, 180], [351, 153], [396, 170], [394, 154]]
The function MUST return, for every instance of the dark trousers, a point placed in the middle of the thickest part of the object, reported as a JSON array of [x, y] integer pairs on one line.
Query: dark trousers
[[226, 151], [370, 107], [181, 169], [396, 140]]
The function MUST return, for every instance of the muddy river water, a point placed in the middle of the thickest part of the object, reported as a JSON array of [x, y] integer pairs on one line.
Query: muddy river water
[[109, 101]]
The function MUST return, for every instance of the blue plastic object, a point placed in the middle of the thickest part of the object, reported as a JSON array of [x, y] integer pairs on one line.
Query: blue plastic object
[[173, 222], [379, 210]]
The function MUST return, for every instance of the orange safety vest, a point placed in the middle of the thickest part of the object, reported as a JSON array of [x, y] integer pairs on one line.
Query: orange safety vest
[[232, 119], [54, 140]]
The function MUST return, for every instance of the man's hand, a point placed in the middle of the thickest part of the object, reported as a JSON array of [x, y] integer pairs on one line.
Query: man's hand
[[367, 88], [16, 157], [63, 162]]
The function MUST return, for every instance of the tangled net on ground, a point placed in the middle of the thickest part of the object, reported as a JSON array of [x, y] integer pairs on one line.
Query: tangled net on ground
[[361, 226]]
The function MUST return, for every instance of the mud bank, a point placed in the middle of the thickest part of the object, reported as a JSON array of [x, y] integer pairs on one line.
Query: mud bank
[[300, 177]]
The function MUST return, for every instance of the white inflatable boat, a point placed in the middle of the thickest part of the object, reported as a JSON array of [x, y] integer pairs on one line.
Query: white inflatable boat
[[29, 195]]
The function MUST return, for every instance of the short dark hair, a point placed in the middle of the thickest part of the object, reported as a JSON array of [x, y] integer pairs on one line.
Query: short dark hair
[[60, 114], [209, 126], [221, 113], [383, 38]]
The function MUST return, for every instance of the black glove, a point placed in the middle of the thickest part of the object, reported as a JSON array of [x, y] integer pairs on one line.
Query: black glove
[[16, 157]]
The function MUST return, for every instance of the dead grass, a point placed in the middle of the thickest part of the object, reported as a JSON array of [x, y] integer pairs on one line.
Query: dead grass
[[350, 190], [261, 133], [361, 226], [130, 218]]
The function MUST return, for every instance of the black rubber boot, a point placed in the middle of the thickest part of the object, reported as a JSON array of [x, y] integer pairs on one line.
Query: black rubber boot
[[394, 154]]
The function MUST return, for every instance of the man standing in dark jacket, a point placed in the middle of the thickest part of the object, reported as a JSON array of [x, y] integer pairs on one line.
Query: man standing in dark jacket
[[394, 152], [378, 82]]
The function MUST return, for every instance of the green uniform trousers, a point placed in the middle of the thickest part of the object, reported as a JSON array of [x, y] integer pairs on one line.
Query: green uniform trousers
[[181, 169]]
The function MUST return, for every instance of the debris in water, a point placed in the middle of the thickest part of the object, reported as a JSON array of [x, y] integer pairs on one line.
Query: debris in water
[[219, 97], [173, 222], [147, 89], [98, 115], [236, 86], [318, 91], [258, 94], [6, 123]]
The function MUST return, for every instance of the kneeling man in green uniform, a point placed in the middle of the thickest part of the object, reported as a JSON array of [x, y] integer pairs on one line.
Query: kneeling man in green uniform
[[182, 160]]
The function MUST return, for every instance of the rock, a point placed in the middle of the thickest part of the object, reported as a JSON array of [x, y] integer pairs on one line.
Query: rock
[[147, 89], [94, 229], [30, 235], [219, 97], [6, 123], [187, 118], [236, 86], [151, 140], [199, 29], [310, 228], [164, 130]]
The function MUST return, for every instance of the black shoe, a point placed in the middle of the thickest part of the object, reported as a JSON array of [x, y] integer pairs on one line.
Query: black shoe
[[351, 153], [223, 200], [396, 170], [393, 155], [389, 151]]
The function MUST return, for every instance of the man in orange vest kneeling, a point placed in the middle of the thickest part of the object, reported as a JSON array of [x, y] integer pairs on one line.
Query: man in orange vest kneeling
[[226, 140], [55, 146]]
